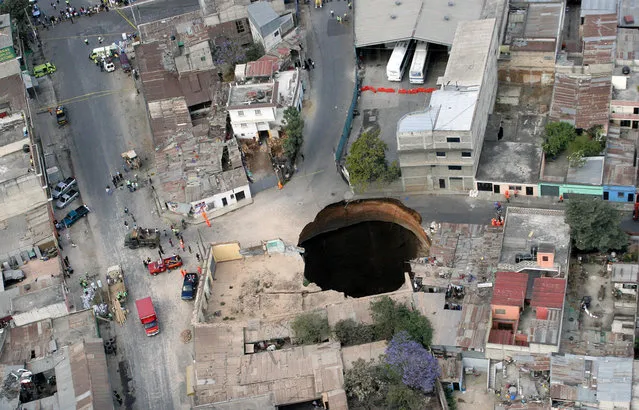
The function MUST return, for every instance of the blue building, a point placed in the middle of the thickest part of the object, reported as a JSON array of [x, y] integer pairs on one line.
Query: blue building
[[620, 173]]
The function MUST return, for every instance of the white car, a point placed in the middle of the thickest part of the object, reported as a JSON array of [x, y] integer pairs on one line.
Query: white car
[[67, 198], [63, 187], [109, 67]]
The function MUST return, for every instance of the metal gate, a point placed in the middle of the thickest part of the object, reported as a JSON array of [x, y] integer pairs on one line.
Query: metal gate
[[549, 190]]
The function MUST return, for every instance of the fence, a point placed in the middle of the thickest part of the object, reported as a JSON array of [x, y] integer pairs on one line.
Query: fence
[[349, 116]]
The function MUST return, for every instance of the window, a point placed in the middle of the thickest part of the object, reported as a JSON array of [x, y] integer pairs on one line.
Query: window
[[635, 110], [203, 58], [240, 195], [258, 112], [224, 202], [441, 154], [240, 113], [455, 167], [625, 123], [243, 125], [442, 183], [276, 34], [466, 154], [514, 187], [529, 190], [500, 311], [239, 26], [620, 195], [544, 258], [453, 139]]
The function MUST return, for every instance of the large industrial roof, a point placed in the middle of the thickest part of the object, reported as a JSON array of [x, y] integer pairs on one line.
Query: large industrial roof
[[435, 21]]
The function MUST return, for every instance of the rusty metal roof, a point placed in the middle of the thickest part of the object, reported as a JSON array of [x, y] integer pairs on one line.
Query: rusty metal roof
[[619, 168], [549, 293], [581, 96], [264, 67], [158, 82], [501, 337], [198, 88], [509, 288], [599, 36], [89, 372]]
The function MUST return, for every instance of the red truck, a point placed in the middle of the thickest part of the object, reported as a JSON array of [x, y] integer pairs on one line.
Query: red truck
[[147, 315]]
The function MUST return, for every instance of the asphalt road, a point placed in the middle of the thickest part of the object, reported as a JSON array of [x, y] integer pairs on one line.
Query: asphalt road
[[106, 118], [329, 92]]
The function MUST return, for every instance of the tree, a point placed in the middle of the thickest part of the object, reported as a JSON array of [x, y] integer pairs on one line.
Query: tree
[[350, 333], [390, 318], [18, 10], [558, 136], [366, 162], [293, 128], [417, 368], [255, 51], [594, 225], [367, 382], [402, 397], [587, 145], [227, 54], [310, 328]]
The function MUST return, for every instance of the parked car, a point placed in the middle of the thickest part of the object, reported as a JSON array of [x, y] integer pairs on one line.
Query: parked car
[[189, 287], [63, 187], [75, 215], [43, 69], [67, 198]]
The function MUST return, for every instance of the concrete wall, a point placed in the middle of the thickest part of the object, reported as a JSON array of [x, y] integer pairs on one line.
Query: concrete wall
[[35, 315], [511, 312], [520, 188], [619, 193], [533, 68], [500, 352], [215, 202], [251, 121]]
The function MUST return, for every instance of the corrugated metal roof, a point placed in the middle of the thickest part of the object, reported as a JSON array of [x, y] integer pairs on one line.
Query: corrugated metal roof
[[619, 166], [625, 273], [543, 20], [627, 44], [548, 292], [261, 14], [419, 121], [264, 67], [382, 21], [598, 7], [501, 337], [509, 288], [599, 36], [90, 376], [157, 82]]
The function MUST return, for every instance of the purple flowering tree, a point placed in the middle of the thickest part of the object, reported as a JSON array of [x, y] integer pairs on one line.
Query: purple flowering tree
[[417, 368], [227, 53]]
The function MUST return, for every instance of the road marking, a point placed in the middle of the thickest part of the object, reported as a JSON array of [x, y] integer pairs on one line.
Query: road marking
[[126, 19], [85, 97], [314, 173]]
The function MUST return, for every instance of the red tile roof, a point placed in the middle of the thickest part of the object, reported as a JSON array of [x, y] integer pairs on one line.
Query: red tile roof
[[510, 288], [548, 292]]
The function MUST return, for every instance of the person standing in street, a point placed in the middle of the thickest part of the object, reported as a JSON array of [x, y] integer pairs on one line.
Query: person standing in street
[[170, 242], [332, 14], [197, 256], [86, 41], [146, 264]]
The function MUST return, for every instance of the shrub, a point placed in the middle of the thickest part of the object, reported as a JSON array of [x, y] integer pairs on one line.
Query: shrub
[[391, 317], [350, 333], [310, 328]]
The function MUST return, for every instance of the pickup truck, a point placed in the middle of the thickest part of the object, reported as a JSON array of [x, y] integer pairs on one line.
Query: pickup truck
[[189, 286], [147, 315], [161, 265], [73, 216], [62, 187]]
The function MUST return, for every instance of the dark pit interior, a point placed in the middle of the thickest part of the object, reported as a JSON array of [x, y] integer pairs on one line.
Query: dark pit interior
[[364, 259]]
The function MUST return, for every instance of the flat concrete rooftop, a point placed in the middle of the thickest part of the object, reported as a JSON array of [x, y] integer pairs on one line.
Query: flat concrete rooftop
[[527, 226], [509, 162], [252, 94]]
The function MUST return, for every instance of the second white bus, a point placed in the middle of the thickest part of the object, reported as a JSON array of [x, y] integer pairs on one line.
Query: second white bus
[[419, 66], [398, 61]]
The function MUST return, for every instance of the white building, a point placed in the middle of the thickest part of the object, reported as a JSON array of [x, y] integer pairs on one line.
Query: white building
[[256, 110], [439, 147]]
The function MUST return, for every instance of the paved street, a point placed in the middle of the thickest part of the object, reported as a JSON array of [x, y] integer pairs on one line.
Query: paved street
[[329, 92], [108, 117]]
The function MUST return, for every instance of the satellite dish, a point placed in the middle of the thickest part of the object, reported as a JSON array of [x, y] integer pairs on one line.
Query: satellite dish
[[625, 70]]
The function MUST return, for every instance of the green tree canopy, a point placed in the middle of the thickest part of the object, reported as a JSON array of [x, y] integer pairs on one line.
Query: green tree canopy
[[18, 10], [594, 225], [350, 333], [558, 136], [310, 328], [366, 162], [391, 317], [293, 128]]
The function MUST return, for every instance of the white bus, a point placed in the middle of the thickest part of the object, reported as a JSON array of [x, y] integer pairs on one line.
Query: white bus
[[398, 61], [419, 66]]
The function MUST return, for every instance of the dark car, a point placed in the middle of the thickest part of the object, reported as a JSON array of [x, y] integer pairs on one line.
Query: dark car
[[124, 63], [189, 287], [73, 216]]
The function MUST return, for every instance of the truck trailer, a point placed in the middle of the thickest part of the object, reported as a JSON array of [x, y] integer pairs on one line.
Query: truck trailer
[[117, 293], [147, 315]]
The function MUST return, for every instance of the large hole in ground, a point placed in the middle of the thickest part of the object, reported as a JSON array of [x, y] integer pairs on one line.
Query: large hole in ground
[[362, 248]]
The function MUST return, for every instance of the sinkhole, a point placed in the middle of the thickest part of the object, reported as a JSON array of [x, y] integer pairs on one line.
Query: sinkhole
[[362, 247]]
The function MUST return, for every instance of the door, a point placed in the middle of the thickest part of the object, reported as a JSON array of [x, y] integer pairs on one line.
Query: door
[[549, 190], [442, 183], [224, 202], [606, 195], [529, 190], [631, 197], [496, 189]]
